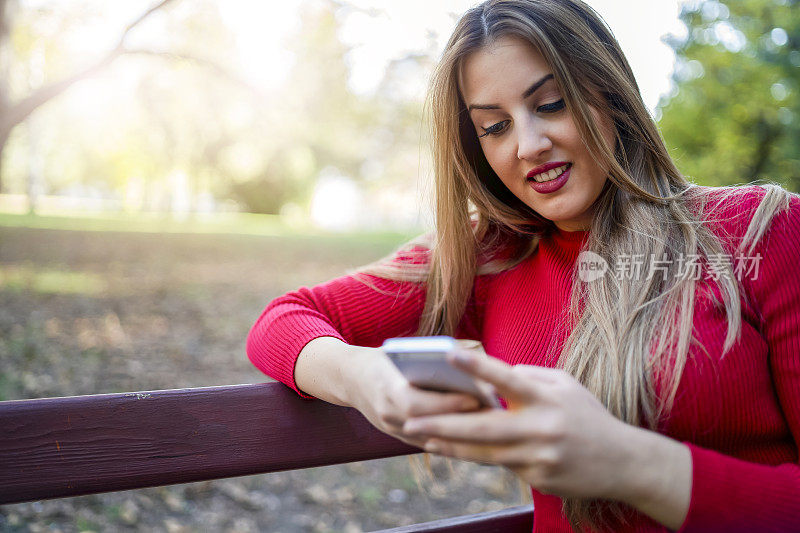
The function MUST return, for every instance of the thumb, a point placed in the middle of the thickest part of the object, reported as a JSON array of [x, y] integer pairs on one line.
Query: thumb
[[469, 344]]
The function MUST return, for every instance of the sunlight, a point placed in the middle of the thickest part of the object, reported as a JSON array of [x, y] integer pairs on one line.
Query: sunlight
[[336, 201], [261, 29]]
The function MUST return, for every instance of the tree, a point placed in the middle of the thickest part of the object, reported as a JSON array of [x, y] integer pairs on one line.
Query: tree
[[140, 127], [14, 113], [320, 122], [734, 113]]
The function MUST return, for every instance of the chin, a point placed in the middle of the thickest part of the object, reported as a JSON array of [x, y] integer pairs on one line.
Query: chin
[[576, 219]]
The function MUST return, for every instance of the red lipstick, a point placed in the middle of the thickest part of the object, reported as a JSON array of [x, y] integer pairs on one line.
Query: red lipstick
[[546, 167], [554, 184]]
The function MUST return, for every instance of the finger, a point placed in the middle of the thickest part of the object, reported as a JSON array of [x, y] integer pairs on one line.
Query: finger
[[518, 457], [469, 344], [487, 426], [479, 453], [427, 403], [507, 381], [549, 375], [396, 431], [416, 442]]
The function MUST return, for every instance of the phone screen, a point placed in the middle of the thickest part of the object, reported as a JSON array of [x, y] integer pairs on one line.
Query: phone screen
[[423, 362]]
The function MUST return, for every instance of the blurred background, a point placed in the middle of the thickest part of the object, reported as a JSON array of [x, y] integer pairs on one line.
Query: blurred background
[[167, 168]]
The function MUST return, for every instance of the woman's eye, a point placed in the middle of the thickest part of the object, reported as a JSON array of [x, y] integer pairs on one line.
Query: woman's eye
[[497, 129], [551, 108], [494, 129]]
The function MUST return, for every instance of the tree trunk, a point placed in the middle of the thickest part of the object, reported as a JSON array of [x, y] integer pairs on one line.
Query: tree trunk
[[766, 135], [4, 132], [3, 139], [12, 114]]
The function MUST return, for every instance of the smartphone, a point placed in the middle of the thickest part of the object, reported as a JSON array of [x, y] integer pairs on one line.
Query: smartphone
[[423, 362]]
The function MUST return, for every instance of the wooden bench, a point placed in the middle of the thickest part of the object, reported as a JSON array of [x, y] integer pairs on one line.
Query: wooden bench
[[60, 447]]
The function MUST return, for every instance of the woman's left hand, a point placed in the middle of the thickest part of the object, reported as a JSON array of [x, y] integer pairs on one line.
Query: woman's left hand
[[555, 435]]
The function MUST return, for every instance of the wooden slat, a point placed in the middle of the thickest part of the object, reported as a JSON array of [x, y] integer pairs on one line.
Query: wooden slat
[[511, 520], [58, 447]]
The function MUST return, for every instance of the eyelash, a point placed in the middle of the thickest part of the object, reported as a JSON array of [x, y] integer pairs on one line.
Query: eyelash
[[546, 108]]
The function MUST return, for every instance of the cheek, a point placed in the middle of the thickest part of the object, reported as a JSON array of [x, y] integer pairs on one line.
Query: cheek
[[564, 133], [499, 157], [609, 135], [606, 127]]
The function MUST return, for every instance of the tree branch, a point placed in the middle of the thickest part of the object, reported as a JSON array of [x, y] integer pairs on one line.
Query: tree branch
[[19, 111], [139, 20], [209, 64]]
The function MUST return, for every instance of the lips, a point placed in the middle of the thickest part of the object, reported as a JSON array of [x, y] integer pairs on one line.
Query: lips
[[552, 184], [544, 168]]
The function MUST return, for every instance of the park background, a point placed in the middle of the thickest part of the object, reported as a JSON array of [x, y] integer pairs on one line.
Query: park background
[[166, 169]]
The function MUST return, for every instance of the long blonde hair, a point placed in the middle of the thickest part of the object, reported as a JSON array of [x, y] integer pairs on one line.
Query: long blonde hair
[[647, 208]]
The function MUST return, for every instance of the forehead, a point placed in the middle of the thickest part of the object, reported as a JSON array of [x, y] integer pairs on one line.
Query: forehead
[[500, 70]]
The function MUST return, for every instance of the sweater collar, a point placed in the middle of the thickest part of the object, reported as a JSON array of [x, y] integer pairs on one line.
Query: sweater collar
[[569, 239]]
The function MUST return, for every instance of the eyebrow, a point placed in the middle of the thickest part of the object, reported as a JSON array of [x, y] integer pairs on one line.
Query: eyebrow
[[529, 91]]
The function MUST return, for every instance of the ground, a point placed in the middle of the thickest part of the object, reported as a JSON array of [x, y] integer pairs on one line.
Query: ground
[[85, 312]]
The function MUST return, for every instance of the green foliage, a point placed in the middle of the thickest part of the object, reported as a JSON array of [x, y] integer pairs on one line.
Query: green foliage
[[734, 113], [283, 178], [156, 131]]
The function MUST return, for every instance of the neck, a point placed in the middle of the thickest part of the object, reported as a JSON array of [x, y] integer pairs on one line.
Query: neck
[[571, 228]]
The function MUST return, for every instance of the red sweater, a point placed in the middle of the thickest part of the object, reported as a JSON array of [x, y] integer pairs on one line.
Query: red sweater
[[738, 414]]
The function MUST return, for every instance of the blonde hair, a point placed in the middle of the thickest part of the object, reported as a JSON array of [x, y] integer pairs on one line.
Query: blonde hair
[[647, 207]]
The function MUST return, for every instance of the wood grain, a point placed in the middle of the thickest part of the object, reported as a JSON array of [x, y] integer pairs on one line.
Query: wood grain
[[58, 447]]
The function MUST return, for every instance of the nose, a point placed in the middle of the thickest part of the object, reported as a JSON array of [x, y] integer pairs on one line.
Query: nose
[[533, 140]]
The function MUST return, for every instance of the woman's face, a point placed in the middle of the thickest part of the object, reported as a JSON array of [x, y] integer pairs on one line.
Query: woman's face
[[527, 135]]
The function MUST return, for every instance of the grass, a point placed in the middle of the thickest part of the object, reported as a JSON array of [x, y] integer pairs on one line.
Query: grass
[[49, 280], [216, 223], [97, 304]]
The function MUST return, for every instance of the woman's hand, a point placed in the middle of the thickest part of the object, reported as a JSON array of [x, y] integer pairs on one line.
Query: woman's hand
[[381, 393], [561, 440]]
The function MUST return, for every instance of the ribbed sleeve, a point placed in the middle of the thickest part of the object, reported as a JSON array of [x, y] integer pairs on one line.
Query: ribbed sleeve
[[358, 313], [729, 494], [347, 308]]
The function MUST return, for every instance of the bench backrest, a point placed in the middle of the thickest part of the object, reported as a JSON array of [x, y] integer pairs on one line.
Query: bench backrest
[[59, 447]]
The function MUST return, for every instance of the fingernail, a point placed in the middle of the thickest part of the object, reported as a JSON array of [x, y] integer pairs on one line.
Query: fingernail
[[411, 426], [469, 344], [432, 446]]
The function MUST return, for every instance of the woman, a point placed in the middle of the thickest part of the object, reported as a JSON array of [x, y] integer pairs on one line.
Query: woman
[[664, 393]]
